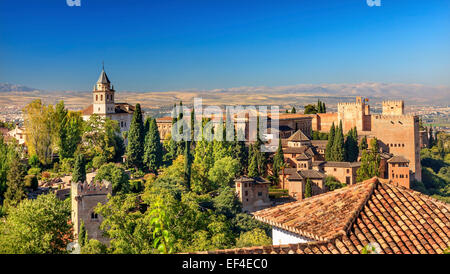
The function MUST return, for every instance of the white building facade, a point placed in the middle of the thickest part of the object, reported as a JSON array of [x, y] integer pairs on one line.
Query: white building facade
[[104, 105]]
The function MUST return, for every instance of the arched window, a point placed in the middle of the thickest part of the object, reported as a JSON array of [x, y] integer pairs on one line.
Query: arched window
[[101, 97], [96, 97]]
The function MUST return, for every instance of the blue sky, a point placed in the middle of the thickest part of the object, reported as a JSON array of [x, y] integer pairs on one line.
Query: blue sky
[[189, 44]]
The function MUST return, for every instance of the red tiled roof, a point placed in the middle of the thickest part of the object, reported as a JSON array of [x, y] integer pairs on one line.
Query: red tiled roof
[[88, 111], [119, 108], [399, 220]]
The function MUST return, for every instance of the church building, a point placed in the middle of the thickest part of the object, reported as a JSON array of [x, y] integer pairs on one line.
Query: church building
[[103, 99]]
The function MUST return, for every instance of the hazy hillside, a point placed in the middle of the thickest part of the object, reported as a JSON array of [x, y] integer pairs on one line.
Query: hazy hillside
[[7, 87]]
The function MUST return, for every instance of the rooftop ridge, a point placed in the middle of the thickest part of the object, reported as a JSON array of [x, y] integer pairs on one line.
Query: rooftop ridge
[[375, 182]]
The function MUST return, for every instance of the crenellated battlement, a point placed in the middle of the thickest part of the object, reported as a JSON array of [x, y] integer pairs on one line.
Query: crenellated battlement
[[392, 102], [97, 188], [393, 107], [344, 104]]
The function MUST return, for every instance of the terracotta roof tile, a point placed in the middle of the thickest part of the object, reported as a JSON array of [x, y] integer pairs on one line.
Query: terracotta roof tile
[[400, 220]]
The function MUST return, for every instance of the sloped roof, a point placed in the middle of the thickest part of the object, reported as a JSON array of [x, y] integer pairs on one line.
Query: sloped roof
[[103, 79], [303, 156], [298, 136], [399, 220], [312, 174], [257, 180], [398, 159], [119, 108]]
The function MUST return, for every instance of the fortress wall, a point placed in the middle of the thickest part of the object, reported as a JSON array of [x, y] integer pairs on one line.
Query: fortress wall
[[399, 135], [322, 121]]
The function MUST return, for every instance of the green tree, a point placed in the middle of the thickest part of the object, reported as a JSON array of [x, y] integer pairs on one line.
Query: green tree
[[332, 183], [223, 172], [351, 146], [293, 110], [241, 153], [370, 162], [278, 160], [308, 189], [255, 237], [15, 191], [329, 147], [253, 165], [187, 165], [82, 235], [94, 247], [338, 145], [363, 144], [79, 170], [116, 175], [153, 152], [39, 226], [310, 109], [70, 134], [135, 148], [101, 136]]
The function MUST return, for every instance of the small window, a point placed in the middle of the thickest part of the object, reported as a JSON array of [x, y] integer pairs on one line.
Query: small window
[[246, 194], [259, 193], [94, 216], [101, 97]]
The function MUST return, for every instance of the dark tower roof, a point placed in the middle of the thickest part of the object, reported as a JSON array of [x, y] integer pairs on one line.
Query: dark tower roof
[[103, 78]]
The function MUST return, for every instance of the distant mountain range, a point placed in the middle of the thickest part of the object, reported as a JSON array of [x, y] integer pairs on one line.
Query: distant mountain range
[[411, 93], [7, 87]]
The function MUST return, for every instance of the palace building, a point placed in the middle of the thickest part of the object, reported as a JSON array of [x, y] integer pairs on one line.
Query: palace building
[[397, 132], [104, 105]]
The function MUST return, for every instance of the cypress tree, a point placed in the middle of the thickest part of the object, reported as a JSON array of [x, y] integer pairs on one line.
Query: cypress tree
[[180, 144], [431, 138], [324, 108], [147, 125], [15, 191], [82, 235], [308, 188], [136, 138], [153, 151], [363, 145], [253, 164], [293, 110], [79, 170], [329, 147], [351, 146], [187, 164], [241, 153], [278, 159], [338, 145]]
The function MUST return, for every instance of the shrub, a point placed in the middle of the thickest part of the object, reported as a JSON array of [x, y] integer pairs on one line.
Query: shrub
[[98, 161], [31, 181], [33, 161], [67, 165], [136, 186], [34, 171]]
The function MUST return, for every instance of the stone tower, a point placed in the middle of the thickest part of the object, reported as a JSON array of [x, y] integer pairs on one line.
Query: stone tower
[[393, 107], [103, 96], [85, 197]]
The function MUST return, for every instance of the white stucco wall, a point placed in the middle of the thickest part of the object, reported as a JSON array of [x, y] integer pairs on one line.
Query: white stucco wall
[[281, 237]]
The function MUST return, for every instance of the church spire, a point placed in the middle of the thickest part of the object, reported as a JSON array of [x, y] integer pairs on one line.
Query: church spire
[[103, 79]]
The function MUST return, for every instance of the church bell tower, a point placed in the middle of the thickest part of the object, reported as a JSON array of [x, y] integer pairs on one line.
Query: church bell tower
[[103, 95]]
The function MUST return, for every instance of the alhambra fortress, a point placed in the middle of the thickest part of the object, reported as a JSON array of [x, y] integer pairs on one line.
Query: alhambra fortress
[[338, 221]]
